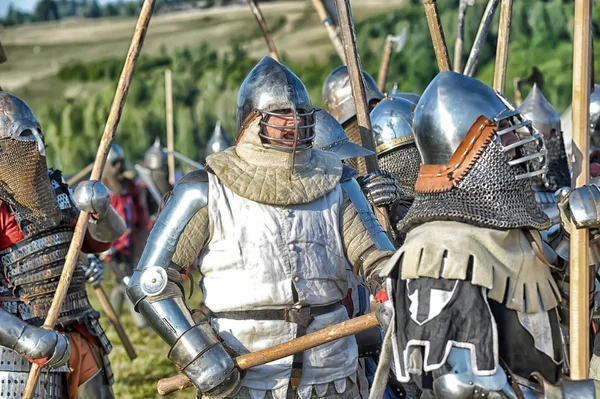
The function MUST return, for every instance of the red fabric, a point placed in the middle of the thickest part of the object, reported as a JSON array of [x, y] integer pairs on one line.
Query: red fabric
[[9, 229], [348, 303], [382, 296], [594, 164], [131, 208]]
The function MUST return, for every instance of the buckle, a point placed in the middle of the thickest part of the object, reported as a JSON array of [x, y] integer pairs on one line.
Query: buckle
[[299, 316]]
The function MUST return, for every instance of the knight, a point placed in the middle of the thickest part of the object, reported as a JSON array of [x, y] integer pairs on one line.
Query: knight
[[274, 226], [219, 141], [37, 218], [474, 300]]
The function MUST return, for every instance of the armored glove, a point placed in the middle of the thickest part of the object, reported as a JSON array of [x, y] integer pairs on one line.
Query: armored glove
[[380, 188], [94, 273], [580, 205], [93, 197], [48, 348]]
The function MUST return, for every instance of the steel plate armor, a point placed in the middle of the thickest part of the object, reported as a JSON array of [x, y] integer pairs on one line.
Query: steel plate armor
[[330, 136]]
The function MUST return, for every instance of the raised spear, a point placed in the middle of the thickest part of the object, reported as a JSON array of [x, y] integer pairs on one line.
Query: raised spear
[[502, 47], [437, 34], [331, 28], [460, 33], [107, 137], [263, 27], [482, 32], [399, 42]]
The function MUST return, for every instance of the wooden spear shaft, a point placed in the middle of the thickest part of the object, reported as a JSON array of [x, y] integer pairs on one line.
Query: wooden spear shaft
[[482, 32], [169, 385], [263, 27], [331, 30], [437, 34], [385, 62], [502, 47], [107, 137], [170, 128], [579, 283]]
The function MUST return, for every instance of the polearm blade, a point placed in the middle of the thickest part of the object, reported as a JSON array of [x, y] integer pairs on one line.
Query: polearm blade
[[579, 300], [390, 42], [502, 47], [460, 33], [263, 27], [82, 221], [437, 34], [482, 32], [331, 28]]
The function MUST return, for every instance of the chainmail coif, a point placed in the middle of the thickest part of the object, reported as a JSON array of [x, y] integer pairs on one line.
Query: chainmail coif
[[488, 196], [403, 163]]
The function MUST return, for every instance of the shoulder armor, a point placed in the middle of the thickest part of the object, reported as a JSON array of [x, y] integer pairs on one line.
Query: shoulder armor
[[195, 176], [348, 173]]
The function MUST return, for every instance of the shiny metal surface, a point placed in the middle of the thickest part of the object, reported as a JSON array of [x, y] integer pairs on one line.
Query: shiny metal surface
[[376, 232], [145, 175], [219, 140], [116, 153], [584, 203], [384, 314], [93, 197], [49, 385], [109, 228], [412, 97], [337, 94], [169, 317], [538, 110], [39, 343], [156, 156], [18, 122], [330, 136], [193, 343], [153, 280], [214, 373], [97, 387], [391, 120]]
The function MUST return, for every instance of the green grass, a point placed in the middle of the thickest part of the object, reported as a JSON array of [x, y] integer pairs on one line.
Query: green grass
[[137, 379]]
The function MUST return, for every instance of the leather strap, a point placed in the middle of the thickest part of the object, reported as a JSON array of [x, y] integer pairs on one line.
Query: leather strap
[[440, 178]]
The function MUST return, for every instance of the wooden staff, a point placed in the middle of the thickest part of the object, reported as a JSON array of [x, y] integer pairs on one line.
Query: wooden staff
[[359, 94], [331, 29], [482, 32], [80, 175], [460, 33], [263, 27], [170, 129], [114, 319], [169, 385], [579, 285], [437, 34], [502, 47], [399, 42], [107, 137]]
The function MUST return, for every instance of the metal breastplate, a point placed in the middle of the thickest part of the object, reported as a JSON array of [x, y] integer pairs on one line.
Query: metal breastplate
[[32, 269]]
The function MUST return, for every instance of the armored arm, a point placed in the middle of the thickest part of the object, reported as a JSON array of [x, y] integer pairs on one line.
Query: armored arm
[[34, 343], [366, 243], [155, 288], [106, 225]]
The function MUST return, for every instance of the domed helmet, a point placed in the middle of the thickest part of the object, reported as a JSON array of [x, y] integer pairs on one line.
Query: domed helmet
[[412, 97], [391, 120], [479, 157], [219, 140], [156, 156], [337, 94], [546, 120], [273, 90], [330, 136]]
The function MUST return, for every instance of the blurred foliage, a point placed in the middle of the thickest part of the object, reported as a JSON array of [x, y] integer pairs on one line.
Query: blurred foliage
[[206, 80]]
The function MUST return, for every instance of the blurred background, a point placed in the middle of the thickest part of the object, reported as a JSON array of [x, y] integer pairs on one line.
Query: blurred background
[[65, 56]]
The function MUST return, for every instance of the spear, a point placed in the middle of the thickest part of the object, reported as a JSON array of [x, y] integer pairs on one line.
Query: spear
[[170, 129], [103, 149], [263, 27], [399, 41], [331, 29], [437, 34], [460, 33], [502, 47], [482, 32], [579, 285]]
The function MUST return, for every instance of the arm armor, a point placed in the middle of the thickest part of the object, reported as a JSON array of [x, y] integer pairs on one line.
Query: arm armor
[[366, 243], [156, 292], [33, 342]]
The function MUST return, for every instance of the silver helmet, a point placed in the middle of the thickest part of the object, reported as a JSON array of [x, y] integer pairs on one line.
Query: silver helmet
[[156, 156], [450, 106], [540, 112], [337, 94], [18, 122], [272, 87], [115, 154], [219, 140], [412, 97], [330, 136], [391, 120]]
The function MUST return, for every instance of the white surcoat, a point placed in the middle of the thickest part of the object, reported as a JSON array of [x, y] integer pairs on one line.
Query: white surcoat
[[263, 257]]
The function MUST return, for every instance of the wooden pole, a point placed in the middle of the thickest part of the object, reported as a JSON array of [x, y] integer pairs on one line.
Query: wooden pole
[[331, 29], [107, 137], [580, 278], [170, 129], [80, 175], [482, 32], [112, 316], [167, 386], [385, 62], [502, 47], [460, 34], [263, 27], [437, 34]]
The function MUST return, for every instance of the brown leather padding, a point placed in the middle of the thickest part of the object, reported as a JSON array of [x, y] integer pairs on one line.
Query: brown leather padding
[[247, 122], [439, 178]]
